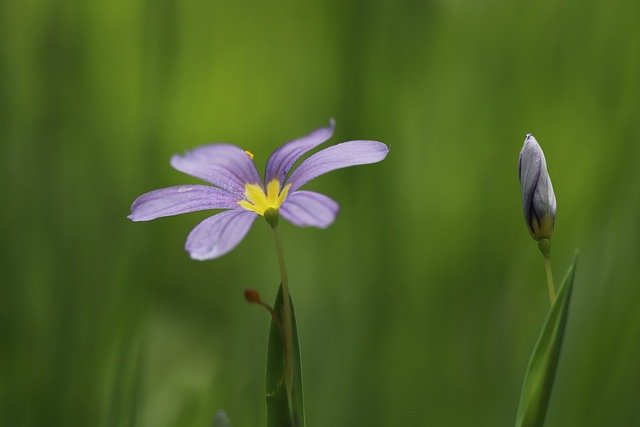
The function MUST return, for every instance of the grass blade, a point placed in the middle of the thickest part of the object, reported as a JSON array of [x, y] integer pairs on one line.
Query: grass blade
[[541, 371], [278, 414]]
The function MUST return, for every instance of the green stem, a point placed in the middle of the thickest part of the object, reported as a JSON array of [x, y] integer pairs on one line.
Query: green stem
[[545, 248], [286, 321], [552, 289]]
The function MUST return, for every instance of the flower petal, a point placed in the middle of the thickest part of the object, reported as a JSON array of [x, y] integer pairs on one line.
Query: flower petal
[[281, 160], [180, 199], [219, 234], [224, 165], [528, 172], [336, 157], [307, 208]]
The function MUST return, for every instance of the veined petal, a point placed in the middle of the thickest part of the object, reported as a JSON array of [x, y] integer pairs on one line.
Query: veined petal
[[219, 234], [281, 160], [224, 165], [180, 199], [528, 179], [308, 208], [336, 157]]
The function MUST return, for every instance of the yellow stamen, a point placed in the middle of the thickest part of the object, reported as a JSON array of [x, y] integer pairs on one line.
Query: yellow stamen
[[258, 201], [249, 153]]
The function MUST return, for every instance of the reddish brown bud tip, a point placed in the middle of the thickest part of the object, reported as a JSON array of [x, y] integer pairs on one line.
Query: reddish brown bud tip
[[252, 296]]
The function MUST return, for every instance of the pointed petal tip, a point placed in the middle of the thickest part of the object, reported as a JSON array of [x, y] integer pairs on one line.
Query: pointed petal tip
[[379, 150], [283, 158], [530, 139], [200, 257], [135, 215]]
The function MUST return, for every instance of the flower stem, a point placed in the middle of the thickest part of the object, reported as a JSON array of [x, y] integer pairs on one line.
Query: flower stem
[[286, 320], [552, 289], [545, 248]]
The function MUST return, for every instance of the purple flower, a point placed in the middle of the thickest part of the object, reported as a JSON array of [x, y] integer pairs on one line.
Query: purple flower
[[238, 189]]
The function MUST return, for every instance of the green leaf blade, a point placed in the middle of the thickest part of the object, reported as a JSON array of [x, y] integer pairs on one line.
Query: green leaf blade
[[278, 414], [541, 370]]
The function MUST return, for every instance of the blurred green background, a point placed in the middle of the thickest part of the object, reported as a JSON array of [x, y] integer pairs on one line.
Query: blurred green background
[[419, 306]]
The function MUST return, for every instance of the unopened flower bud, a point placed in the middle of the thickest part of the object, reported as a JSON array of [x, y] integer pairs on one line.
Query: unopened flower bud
[[538, 199], [252, 296]]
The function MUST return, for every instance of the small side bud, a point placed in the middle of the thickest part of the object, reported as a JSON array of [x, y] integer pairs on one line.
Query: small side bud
[[252, 296], [272, 215]]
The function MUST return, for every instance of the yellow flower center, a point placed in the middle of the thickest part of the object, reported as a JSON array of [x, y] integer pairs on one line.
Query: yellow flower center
[[258, 201]]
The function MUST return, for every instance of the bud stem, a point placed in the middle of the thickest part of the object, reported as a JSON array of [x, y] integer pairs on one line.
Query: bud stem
[[552, 289]]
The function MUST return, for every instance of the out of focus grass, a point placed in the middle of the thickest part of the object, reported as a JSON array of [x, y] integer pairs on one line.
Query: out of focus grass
[[419, 306]]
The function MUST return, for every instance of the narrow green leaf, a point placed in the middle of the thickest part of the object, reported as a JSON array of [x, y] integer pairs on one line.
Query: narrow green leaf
[[541, 371], [277, 400]]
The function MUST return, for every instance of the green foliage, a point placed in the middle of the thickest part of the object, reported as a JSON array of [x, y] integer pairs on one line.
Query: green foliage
[[278, 413], [541, 372]]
